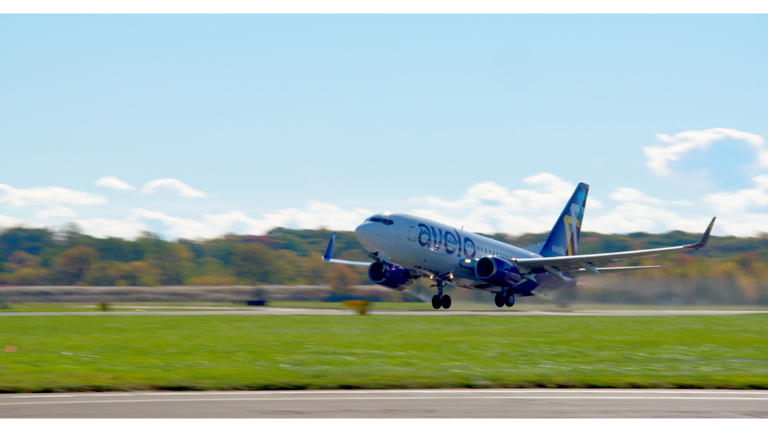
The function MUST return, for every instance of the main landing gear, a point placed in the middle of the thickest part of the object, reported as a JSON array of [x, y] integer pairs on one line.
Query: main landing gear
[[504, 299], [441, 300]]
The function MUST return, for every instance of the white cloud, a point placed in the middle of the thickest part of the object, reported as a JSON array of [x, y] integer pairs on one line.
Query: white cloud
[[740, 201], [7, 221], [678, 144], [47, 196], [483, 207], [633, 217], [177, 227], [114, 183], [134, 224], [742, 224], [102, 228], [637, 217], [171, 186], [633, 195], [639, 212], [314, 215], [637, 196], [317, 214], [56, 212], [489, 207]]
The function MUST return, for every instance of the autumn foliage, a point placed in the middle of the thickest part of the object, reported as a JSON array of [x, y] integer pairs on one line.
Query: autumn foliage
[[730, 270]]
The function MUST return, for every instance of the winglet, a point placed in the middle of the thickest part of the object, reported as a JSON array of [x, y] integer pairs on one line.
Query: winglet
[[703, 242], [329, 250]]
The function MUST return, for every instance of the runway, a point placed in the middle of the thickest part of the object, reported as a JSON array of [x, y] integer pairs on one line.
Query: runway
[[470, 403], [441, 312]]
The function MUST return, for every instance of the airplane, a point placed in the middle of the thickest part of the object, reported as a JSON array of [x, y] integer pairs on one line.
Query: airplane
[[406, 247]]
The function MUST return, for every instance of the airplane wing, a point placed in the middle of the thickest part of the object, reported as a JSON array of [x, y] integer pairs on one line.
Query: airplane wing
[[606, 270], [576, 263], [327, 256]]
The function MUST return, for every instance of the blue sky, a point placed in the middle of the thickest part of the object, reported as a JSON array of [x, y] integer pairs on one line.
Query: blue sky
[[245, 122]]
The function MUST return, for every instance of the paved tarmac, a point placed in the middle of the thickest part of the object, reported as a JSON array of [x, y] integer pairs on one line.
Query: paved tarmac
[[500, 312], [470, 403]]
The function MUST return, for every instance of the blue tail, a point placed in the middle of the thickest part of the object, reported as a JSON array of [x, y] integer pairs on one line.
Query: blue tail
[[564, 237]]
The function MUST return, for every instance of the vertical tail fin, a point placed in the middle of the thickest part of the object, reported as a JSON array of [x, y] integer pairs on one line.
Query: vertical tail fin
[[564, 237]]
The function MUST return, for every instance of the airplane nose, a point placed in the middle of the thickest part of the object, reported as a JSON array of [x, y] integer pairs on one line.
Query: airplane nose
[[366, 234], [363, 231]]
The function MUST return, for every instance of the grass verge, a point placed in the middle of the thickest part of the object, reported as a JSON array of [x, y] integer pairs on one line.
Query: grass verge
[[103, 353]]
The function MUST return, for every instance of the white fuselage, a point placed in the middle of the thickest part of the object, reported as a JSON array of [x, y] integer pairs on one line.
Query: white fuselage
[[432, 247]]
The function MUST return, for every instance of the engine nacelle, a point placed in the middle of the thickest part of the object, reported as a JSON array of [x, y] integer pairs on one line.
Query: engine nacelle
[[390, 275], [497, 271]]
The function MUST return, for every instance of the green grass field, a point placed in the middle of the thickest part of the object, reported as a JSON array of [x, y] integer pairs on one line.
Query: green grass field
[[77, 353]]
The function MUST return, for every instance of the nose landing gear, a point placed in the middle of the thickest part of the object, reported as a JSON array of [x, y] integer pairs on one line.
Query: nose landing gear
[[441, 300]]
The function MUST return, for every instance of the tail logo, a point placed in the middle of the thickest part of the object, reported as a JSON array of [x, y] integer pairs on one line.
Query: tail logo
[[572, 226], [563, 240]]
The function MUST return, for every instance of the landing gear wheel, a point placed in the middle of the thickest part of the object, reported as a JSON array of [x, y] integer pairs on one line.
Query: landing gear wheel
[[509, 299], [446, 301], [436, 302], [499, 300]]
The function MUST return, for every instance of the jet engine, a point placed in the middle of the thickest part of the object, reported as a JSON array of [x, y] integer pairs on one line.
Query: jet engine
[[497, 271], [390, 275]]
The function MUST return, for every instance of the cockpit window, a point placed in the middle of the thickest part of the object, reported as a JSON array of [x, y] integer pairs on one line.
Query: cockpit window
[[380, 219]]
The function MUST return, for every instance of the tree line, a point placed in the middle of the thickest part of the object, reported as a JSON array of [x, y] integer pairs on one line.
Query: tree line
[[39, 256]]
